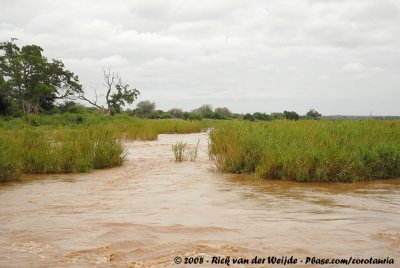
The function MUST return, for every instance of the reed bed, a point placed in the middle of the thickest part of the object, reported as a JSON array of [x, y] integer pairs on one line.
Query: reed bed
[[29, 151], [121, 126], [58, 144], [309, 151]]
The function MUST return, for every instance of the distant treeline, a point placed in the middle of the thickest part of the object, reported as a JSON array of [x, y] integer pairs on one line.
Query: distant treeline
[[147, 109]]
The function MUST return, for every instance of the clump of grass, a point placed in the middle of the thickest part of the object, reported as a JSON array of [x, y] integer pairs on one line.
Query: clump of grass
[[183, 151], [309, 151], [192, 151], [108, 151], [179, 151]]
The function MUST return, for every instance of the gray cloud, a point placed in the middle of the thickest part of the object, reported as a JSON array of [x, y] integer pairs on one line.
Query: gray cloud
[[340, 57]]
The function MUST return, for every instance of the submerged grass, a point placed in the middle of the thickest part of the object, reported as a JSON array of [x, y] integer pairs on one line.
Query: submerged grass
[[312, 151], [179, 151], [57, 144], [193, 151], [183, 151]]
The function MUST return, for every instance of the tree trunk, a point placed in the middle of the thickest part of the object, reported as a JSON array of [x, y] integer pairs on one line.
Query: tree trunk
[[30, 106]]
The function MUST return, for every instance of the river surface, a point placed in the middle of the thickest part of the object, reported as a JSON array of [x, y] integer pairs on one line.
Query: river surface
[[153, 209]]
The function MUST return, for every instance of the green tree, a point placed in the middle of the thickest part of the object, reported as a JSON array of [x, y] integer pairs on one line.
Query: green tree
[[291, 115], [248, 116], [5, 97], [205, 111], [186, 116], [261, 116], [176, 112], [277, 116], [117, 94], [222, 113], [313, 114], [71, 107], [145, 109], [191, 116], [32, 81], [165, 115]]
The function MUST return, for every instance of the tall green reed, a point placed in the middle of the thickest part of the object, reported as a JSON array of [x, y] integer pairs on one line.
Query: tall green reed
[[31, 151], [314, 151]]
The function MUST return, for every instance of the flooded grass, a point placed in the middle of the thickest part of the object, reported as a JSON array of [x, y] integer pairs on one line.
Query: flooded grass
[[309, 151], [193, 151], [30, 151], [179, 151], [183, 151], [54, 146]]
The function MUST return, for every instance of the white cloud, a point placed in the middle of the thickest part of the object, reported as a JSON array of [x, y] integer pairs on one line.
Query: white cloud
[[353, 67], [277, 54]]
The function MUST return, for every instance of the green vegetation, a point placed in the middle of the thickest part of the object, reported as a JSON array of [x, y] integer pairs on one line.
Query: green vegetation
[[183, 151], [309, 150], [193, 151], [10, 166], [292, 115], [313, 114], [31, 151], [145, 109], [30, 82], [75, 142], [179, 151], [39, 134], [121, 126]]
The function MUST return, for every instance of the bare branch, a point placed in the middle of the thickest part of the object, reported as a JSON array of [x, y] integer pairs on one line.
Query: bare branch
[[94, 103], [117, 93], [109, 79]]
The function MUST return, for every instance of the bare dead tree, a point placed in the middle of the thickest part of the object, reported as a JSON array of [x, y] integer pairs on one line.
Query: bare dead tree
[[117, 94]]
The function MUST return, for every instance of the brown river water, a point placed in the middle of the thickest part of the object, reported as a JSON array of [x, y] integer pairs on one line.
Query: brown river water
[[152, 209]]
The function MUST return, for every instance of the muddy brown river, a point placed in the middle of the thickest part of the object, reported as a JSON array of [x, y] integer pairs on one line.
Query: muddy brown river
[[152, 209]]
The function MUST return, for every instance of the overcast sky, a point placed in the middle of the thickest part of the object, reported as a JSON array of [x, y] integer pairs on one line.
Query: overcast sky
[[336, 56]]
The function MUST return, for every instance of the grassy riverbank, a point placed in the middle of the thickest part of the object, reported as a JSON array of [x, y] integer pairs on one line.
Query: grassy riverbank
[[313, 151], [75, 143], [31, 151]]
